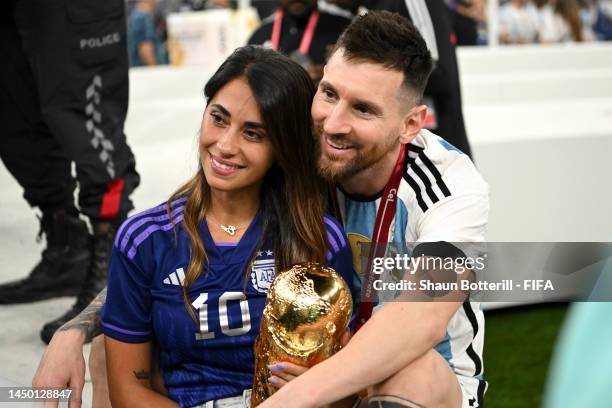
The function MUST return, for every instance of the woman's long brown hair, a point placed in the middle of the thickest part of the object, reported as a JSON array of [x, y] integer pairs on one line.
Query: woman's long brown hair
[[292, 206]]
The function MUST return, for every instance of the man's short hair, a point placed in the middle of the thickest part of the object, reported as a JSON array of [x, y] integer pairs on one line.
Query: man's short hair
[[391, 40]]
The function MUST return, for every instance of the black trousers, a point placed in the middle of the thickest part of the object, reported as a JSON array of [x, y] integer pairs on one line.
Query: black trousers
[[63, 99]]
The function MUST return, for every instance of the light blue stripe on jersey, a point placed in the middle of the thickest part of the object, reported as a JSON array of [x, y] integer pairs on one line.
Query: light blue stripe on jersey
[[444, 348], [401, 223], [448, 146], [360, 217]]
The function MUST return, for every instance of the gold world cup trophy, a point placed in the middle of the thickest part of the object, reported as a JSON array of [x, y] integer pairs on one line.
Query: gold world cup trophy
[[307, 310]]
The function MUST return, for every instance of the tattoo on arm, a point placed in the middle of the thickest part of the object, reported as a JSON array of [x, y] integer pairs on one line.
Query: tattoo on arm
[[88, 321], [142, 375]]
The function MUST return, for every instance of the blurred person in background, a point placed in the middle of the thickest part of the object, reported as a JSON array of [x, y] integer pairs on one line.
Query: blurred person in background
[[213, 4], [518, 22], [300, 30], [63, 96], [559, 21], [145, 44], [467, 17], [588, 16], [199, 5], [603, 22]]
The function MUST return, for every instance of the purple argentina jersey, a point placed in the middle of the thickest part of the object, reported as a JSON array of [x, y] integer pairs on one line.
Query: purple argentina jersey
[[212, 358]]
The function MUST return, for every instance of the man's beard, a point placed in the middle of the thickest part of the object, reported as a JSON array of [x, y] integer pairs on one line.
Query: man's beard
[[361, 161]]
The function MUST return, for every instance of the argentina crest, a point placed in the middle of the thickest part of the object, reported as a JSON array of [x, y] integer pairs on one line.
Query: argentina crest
[[263, 271]]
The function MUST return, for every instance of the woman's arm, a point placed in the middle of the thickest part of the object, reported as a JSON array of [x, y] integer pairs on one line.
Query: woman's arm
[[129, 375]]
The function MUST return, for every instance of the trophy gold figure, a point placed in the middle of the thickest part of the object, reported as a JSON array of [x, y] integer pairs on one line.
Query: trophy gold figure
[[307, 310]]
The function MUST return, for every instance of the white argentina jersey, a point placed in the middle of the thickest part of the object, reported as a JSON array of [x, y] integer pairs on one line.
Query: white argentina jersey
[[441, 198]]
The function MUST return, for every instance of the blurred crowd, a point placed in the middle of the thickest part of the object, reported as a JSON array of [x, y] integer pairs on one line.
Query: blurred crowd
[[554, 21], [519, 21]]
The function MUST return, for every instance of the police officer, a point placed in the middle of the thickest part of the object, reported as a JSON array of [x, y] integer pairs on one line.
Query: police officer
[[63, 98]]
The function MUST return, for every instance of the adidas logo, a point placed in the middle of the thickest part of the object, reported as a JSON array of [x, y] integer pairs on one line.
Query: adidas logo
[[176, 278]]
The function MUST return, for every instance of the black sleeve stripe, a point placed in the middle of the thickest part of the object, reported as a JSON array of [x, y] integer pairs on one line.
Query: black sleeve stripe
[[426, 182], [417, 191], [434, 171], [414, 148]]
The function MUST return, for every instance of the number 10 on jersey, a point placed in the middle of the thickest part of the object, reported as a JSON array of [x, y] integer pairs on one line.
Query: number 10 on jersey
[[200, 303]]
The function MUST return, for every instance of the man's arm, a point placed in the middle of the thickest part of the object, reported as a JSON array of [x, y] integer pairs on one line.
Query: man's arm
[[88, 321], [395, 336], [401, 331], [146, 52], [62, 365]]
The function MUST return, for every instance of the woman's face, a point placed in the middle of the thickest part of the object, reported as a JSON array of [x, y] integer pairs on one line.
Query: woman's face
[[235, 150]]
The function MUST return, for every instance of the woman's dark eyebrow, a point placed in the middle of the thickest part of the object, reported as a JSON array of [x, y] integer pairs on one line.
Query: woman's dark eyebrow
[[256, 125], [224, 111]]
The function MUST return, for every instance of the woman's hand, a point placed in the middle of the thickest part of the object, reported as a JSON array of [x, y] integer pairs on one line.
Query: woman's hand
[[284, 371]]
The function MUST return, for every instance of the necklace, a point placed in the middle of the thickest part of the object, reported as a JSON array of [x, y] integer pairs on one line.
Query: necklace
[[229, 229]]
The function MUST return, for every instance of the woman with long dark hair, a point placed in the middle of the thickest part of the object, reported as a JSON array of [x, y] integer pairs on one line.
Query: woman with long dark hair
[[559, 21], [192, 275]]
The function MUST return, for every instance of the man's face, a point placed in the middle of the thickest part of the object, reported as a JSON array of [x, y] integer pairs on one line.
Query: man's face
[[358, 113]]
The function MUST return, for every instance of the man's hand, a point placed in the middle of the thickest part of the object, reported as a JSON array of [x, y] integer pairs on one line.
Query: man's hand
[[63, 366]]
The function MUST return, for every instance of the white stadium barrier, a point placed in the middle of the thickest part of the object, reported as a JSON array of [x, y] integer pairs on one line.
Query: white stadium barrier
[[540, 122]]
